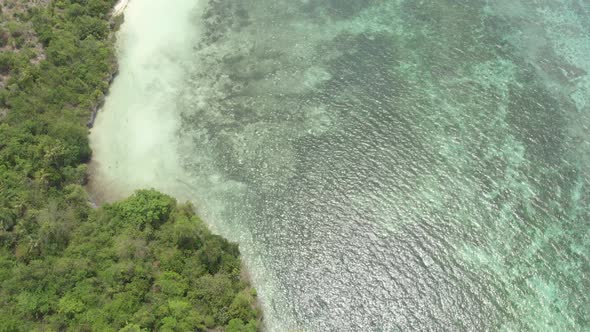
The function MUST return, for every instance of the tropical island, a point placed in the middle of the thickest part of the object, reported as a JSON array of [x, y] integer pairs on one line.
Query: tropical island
[[145, 263]]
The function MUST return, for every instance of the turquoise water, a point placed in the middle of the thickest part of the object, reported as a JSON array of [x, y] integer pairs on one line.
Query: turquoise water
[[385, 165]]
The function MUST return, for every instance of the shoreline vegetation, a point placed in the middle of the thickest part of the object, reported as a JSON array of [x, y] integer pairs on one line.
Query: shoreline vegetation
[[116, 19], [141, 264]]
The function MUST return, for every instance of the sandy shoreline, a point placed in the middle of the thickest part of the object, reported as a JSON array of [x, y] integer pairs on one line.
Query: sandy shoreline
[[120, 7], [98, 192]]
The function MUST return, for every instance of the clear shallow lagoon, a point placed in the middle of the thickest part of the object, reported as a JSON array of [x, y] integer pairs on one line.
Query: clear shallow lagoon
[[384, 165]]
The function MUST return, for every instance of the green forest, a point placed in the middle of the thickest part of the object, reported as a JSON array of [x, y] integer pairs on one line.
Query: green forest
[[143, 264]]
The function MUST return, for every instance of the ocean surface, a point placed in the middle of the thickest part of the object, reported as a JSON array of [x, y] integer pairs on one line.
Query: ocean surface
[[388, 165]]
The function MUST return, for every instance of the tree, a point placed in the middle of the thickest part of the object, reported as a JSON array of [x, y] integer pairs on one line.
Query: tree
[[144, 208]]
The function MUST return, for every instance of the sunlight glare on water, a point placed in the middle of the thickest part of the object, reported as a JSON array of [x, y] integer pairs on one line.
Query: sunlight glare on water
[[384, 165]]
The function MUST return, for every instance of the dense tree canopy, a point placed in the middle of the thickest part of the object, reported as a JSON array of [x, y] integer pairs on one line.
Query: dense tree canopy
[[141, 264]]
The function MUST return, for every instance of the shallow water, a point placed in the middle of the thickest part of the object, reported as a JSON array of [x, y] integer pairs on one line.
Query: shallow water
[[384, 165]]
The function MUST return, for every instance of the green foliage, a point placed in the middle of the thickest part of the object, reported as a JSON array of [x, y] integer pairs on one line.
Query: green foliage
[[171, 284], [105, 274], [70, 305], [241, 306], [237, 325], [144, 208], [131, 328], [43, 137], [141, 264]]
